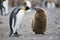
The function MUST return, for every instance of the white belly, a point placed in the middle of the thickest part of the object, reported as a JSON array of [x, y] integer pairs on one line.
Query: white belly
[[19, 17]]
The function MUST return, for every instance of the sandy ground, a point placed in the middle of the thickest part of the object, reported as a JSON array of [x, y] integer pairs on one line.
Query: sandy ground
[[52, 33]]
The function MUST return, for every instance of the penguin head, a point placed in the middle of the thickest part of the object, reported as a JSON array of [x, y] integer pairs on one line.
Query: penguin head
[[39, 11], [27, 4]]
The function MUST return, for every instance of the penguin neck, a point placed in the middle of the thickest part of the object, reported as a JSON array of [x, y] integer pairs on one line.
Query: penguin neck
[[23, 9], [27, 8]]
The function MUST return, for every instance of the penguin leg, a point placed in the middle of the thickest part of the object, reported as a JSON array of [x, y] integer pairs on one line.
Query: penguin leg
[[16, 34], [16, 27], [11, 32], [39, 33]]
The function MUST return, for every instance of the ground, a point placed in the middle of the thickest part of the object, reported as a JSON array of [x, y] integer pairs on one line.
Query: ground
[[52, 32]]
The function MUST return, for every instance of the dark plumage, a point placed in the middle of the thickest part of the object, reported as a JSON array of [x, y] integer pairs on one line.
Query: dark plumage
[[39, 21]]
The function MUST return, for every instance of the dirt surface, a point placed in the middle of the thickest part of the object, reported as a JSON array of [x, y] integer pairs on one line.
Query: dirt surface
[[52, 33]]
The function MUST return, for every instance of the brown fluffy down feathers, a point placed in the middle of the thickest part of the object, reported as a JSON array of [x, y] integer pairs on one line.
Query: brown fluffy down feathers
[[39, 21]]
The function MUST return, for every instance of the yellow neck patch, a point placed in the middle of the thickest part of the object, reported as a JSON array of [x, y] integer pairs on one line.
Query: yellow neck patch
[[23, 9]]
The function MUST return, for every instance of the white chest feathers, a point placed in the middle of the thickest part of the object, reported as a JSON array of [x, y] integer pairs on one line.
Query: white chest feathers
[[20, 14], [19, 17]]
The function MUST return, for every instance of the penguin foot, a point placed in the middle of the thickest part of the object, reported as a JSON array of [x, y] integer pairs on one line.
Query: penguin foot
[[10, 33], [16, 35], [39, 33]]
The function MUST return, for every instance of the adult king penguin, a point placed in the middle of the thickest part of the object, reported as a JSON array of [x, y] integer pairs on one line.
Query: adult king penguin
[[16, 18]]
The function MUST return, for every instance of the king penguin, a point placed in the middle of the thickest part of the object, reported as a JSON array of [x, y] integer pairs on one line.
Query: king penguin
[[16, 18]]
